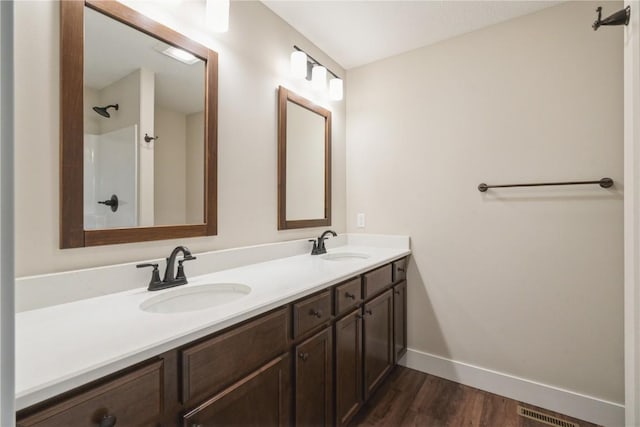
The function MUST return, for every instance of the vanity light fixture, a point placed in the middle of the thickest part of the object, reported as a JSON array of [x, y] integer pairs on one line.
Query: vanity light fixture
[[335, 89], [217, 15], [299, 64], [305, 66], [319, 77]]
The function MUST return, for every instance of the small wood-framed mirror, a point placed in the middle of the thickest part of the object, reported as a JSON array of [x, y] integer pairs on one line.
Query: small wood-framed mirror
[[304, 162], [138, 135]]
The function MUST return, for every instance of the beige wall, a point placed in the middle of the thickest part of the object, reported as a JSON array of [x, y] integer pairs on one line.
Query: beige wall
[[526, 282], [195, 170], [253, 62], [170, 167]]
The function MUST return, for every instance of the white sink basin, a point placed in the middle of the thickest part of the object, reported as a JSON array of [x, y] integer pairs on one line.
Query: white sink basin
[[195, 298], [345, 256]]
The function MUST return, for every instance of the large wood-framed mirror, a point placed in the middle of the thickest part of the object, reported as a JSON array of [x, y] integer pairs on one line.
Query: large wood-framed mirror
[[138, 136], [304, 162]]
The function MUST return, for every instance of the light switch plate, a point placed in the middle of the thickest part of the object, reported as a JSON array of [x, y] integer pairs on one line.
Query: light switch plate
[[360, 220]]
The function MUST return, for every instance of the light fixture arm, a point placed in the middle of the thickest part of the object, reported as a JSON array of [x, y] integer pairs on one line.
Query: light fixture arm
[[314, 61]]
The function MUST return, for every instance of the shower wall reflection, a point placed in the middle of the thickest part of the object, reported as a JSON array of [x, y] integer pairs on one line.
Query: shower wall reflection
[[110, 167]]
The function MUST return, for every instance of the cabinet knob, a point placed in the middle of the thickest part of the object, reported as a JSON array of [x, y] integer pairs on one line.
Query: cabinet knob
[[359, 316], [349, 295], [303, 356], [397, 292], [401, 270], [314, 312], [368, 311], [108, 421]]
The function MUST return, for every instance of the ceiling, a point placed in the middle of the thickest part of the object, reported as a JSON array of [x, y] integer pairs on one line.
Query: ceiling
[[355, 33]]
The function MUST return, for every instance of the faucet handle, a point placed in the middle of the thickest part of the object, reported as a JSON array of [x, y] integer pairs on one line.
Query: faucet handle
[[314, 250], [148, 264], [155, 274], [180, 274]]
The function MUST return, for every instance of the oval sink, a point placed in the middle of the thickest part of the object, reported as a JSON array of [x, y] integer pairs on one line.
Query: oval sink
[[345, 256], [195, 298]]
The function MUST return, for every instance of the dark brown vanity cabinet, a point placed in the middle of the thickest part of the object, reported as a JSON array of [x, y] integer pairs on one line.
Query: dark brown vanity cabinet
[[311, 362], [378, 340], [348, 373], [133, 398], [314, 380], [262, 398], [399, 320]]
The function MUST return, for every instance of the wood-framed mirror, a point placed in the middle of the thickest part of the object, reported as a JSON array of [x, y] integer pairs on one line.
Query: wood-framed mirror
[[138, 134], [304, 162]]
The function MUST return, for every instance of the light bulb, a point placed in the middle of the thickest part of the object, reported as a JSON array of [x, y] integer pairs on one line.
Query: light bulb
[[299, 64], [318, 78], [217, 15], [335, 89]]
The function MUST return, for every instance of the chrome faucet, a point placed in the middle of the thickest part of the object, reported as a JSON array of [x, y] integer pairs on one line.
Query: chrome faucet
[[318, 246], [169, 280]]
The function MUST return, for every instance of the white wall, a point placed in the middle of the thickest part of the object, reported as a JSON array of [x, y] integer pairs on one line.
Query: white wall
[[526, 282], [253, 62], [632, 216], [7, 305]]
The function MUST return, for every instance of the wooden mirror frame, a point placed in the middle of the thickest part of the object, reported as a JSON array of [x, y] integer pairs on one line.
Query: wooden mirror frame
[[285, 95], [72, 232]]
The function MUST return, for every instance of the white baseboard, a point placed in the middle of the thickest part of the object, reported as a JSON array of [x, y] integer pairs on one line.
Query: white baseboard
[[566, 402]]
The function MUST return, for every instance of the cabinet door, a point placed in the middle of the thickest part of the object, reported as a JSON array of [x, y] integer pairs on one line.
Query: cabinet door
[[399, 320], [314, 385], [348, 366], [263, 398], [378, 340]]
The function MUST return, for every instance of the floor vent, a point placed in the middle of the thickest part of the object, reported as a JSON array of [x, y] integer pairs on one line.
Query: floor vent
[[544, 418]]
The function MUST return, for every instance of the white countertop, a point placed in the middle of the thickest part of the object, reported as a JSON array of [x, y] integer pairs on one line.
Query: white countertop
[[64, 346]]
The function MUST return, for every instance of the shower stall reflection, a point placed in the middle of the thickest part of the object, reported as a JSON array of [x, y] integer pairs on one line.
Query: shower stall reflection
[[110, 167]]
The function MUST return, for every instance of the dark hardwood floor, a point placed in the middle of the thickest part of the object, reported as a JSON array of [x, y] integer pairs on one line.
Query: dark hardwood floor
[[412, 398]]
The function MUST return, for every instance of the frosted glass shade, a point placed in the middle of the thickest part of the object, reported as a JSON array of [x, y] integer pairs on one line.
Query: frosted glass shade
[[217, 15], [319, 78], [299, 65], [335, 89]]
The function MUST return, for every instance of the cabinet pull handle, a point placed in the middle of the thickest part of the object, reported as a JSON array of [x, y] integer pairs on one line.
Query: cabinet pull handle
[[314, 312], [368, 311], [108, 421], [349, 295], [303, 356]]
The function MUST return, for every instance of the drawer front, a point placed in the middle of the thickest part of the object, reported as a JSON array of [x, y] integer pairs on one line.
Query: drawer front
[[348, 295], [399, 270], [376, 280], [211, 365], [133, 399], [311, 312]]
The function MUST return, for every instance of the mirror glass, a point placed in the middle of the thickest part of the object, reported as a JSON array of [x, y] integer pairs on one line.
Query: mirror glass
[[144, 129], [304, 144]]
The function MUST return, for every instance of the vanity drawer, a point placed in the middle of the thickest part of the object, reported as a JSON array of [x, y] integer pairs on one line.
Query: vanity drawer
[[348, 295], [311, 312], [377, 280], [211, 365], [399, 270], [133, 399]]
